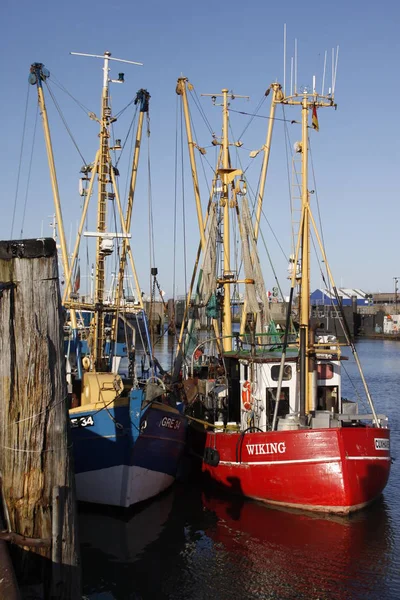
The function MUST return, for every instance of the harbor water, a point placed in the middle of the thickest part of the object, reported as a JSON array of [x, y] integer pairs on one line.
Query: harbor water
[[191, 544]]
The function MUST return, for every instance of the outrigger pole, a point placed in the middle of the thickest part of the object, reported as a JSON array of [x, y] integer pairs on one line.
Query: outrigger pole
[[181, 90], [38, 74], [277, 96], [143, 97]]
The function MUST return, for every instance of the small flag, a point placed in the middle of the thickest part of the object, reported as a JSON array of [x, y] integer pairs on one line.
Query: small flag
[[314, 119], [77, 283]]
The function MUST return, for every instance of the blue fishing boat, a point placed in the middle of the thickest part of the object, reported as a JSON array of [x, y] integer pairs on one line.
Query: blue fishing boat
[[128, 432]]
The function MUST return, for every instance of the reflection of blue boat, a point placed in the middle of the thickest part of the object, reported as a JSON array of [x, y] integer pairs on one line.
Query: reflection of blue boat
[[128, 436]]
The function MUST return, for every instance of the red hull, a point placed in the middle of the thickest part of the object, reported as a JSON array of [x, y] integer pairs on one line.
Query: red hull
[[331, 470]]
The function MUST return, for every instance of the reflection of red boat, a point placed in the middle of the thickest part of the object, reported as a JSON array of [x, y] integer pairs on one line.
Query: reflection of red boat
[[346, 553]]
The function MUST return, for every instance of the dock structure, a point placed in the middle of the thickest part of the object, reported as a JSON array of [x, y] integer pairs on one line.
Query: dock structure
[[38, 492], [8, 582]]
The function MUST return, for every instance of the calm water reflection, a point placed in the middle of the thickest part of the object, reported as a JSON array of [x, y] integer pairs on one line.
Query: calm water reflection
[[193, 545]]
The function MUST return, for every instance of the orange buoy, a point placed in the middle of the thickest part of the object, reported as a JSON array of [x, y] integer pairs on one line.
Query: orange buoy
[[246, 395]]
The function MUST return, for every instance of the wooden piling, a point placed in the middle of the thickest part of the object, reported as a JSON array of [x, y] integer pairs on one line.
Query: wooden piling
[[35, 448]]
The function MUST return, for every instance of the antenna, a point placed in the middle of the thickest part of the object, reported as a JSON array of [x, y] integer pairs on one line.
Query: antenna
[[106, 57], [323, 76], [336, 64], [295, 66], [284, 59], [291, 76]]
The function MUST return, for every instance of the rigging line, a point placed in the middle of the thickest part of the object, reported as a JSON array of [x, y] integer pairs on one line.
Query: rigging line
[[29, 173], [183, 204], [175, 228], [271, 263], [201, 156], [130, 159], [117, 257], [150, 192], [64, 121], [258, 108], [58, 83], [287, 146], [126, 138], [242, 112], [318, 205], [175, 197], [197, 102], [120, 113], [20, 162], [339, 316], [267, 221], [235, 232], [112, 131], [359, 396]]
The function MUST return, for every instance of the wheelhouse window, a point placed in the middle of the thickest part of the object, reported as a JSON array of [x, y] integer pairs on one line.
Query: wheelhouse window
[[287, 372], [324, 371], [283, 406]]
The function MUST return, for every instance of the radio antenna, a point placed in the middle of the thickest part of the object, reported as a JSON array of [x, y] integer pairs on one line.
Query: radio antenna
[[284, 59], [335, 73], [323, 75]]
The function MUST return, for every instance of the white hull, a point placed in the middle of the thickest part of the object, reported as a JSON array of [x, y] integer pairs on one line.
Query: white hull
[[123, 485]]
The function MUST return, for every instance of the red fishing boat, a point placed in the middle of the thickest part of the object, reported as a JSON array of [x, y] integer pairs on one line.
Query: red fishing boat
[[268, 417]]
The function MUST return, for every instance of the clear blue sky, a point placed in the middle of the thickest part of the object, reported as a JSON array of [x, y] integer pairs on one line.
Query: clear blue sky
[[236, 45]]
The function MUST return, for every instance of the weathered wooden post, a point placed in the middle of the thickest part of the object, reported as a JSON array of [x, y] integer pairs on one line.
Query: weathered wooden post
[[35, 450]]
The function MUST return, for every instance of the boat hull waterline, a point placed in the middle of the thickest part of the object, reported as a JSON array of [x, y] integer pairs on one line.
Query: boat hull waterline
[[128, 454], [338, 470]]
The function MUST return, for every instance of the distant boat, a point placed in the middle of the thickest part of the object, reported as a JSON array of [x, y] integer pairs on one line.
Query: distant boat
[[268, 420], [128, 435]]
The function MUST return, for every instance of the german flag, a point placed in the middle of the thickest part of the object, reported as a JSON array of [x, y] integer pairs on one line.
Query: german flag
[[314, 119]]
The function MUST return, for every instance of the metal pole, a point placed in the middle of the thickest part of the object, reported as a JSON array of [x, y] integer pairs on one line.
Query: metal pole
[[276, 89], [125, 243], [305, 269], [227, 317], [101, 219], [181, 91], [54, 183]]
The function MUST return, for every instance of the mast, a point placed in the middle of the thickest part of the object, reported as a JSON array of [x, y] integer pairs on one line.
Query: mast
[[227, 174], [305, 268], [307, 101], [227, 316], [38, 74], [106, 175], [101, 219]]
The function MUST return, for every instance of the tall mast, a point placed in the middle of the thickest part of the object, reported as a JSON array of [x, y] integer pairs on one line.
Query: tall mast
[[101, 217], [305, 265], [39, 74], [307, 101], [105, 176], [227, 174], [227, 316]]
